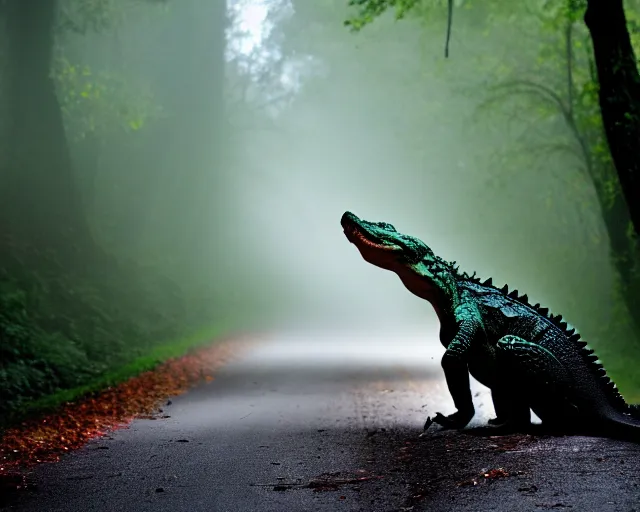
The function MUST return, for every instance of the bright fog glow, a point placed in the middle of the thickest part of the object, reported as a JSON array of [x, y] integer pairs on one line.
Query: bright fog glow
[[353, 349], [319, 381], [250, 25]]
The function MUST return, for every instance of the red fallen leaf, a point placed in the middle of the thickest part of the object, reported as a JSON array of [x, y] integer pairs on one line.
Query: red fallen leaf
[[496, 473], [75, 423], [488, 475]]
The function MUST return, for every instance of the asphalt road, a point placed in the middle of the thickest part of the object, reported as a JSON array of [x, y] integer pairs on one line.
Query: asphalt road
[[331, 423]]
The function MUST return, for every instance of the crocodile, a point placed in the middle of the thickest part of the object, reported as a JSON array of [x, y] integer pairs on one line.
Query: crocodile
[[530, 359]]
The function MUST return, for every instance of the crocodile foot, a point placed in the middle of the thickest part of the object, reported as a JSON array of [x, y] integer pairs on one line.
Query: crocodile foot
[[453, 421], [496, 426]]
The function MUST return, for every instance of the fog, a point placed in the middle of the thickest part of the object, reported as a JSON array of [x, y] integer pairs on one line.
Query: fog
[[252, 146], [377, 130]]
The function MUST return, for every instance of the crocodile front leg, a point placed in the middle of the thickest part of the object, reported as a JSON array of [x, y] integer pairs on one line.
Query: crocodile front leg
[[456, 372]]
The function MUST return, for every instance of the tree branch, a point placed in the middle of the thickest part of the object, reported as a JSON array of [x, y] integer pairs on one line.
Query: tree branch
[[522, 86]]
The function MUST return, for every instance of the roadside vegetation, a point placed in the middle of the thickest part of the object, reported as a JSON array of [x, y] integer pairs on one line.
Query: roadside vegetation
[[100, 273]]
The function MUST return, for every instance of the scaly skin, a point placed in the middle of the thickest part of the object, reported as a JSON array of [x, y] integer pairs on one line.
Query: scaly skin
[[528, 358]]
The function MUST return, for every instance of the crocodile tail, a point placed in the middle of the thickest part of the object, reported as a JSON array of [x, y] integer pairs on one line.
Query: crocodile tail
[[624, 425], [634, 411]]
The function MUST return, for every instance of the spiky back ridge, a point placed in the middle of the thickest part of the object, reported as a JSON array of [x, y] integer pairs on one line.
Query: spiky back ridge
[[590, 359], [440, 267]]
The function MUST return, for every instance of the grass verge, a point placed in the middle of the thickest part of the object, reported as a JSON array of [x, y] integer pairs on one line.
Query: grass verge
[[48, 437], [156, 356]]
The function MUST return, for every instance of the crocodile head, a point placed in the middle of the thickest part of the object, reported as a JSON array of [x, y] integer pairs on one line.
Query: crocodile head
[[422, 272]]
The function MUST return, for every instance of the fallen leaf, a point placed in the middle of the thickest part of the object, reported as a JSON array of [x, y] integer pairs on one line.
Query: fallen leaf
[[47, 438], [488, 474], [496, 473]]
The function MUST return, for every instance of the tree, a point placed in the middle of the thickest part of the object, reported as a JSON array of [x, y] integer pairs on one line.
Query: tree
[[618, 80], [39, 196], [41, 204], [548, 83], [619, 94], [563, 88], [191, 138]]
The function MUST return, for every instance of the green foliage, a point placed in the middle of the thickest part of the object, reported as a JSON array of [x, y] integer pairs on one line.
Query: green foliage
[[369, 10], [61, 329], [101, 103], [561, 90], [153, 357], [82, 16]]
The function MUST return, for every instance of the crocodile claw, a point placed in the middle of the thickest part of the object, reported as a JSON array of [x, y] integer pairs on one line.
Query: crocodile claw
[[445, 421], [440, 419], [427, 424], [453, 421]]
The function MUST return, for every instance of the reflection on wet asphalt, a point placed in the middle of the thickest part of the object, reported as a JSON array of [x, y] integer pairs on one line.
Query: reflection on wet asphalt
[[295, 407]]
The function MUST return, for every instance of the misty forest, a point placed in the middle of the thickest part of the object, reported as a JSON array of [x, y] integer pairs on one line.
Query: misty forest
[[174, 171]]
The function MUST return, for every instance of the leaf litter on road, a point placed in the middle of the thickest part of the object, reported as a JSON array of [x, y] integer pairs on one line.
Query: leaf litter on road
[[46, 439]]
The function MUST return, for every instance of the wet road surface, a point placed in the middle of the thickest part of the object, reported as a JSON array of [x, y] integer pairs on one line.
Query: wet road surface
[[331, 423]]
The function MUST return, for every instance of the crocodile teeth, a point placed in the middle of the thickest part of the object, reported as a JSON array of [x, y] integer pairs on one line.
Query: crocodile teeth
[[514, 294], [543, 311], [563, 325], [488, 282], [570, 331], [504, 289], [537, 305], [524, 298]]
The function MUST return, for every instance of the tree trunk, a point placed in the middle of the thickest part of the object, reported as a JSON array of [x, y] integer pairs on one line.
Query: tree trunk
[[41, 204], [193, 152], [624, 254], [619, 94]]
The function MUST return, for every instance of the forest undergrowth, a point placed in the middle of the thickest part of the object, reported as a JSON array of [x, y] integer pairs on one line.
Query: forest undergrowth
[[67, 330]]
